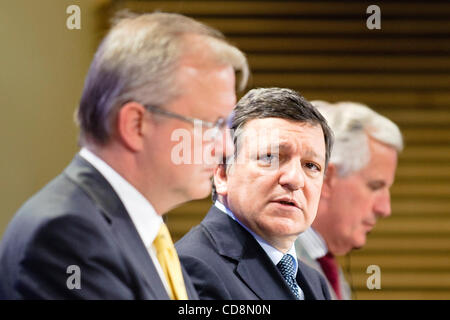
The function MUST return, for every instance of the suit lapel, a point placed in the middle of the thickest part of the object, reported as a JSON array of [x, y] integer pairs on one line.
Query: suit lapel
[[192, 293], [304, 285], [253, 265], [101, 192], [260, 274], [134, 248]]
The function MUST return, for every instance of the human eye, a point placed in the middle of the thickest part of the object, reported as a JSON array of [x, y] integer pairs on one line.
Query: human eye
[[376, 185], [313, 167], [267, 158]]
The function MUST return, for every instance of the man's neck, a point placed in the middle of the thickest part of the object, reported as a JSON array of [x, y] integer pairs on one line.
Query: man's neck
[[282, 245], [126, 165]]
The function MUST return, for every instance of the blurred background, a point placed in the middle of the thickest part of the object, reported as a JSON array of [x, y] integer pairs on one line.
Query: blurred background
[[322, 49]]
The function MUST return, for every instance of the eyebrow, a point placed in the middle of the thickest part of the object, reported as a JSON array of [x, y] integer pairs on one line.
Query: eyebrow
[[313, 154], [288, 146]]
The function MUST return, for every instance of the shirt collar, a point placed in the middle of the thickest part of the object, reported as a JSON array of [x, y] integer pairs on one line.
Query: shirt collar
[[274, 254], [313, 243], [142, 213]]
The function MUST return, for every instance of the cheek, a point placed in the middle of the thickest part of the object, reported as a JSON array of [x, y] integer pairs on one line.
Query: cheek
[[346, 210], [238, 189], [249, 191], [359, 204], [256, 182], [312, 195], [357, 211]]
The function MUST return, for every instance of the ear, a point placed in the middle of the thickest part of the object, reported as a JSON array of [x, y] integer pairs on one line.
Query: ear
[[131, 126], [328, 181], [221, 179]]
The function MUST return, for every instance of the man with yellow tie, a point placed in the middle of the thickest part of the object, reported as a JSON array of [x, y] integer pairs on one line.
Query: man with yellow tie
[[96, 230]]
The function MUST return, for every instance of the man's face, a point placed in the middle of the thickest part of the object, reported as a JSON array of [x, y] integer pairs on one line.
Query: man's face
[[356, 201], [274, 184], [184, 154]]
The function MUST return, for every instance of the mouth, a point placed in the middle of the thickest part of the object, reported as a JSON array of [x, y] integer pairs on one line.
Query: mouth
[[287, 202], [369, 226]]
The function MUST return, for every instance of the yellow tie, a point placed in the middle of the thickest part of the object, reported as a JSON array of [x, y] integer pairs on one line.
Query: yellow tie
[[170, 264]]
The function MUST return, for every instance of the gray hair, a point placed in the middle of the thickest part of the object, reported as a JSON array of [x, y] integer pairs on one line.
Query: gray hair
[[137, 61], [353, 123]]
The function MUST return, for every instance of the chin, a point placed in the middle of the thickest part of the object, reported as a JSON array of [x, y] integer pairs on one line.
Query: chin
[[359, 244], [201, 191], [284, 229]]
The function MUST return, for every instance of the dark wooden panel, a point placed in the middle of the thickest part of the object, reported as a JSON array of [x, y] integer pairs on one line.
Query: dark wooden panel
[[352, 80], [327, 63], [288, 8], [429, 207], [337, 44], [401, 263]]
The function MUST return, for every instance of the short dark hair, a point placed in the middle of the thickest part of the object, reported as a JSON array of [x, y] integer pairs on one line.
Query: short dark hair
[[281, 103]]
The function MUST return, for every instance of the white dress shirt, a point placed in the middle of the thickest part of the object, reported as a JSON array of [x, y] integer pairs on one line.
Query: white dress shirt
[[313, 243], [142, 213], [274, 254]]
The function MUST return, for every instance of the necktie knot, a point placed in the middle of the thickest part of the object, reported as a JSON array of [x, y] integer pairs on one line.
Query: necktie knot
[[163, 239], [287, 269], [286, 266]]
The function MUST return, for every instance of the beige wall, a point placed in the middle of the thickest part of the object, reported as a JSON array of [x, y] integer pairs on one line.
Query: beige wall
[[42, 70]]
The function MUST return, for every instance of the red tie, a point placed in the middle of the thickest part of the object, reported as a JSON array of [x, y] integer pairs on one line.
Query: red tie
[[330, 268]]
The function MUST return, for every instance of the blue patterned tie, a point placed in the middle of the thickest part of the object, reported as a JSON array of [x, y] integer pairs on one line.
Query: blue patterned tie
[[286, 267]]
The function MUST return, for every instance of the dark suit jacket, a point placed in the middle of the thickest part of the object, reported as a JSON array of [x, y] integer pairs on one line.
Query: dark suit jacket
[[226, 262], [77, 219]]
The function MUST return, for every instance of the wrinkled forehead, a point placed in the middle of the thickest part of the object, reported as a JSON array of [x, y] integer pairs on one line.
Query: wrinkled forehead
[[284, 135]]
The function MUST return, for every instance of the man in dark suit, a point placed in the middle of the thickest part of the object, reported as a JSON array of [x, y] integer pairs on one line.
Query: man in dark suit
[[267, 194], [96, 231]]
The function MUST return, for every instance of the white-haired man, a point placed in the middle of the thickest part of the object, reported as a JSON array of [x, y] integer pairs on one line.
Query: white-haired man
[[355, 191], [96, 230]]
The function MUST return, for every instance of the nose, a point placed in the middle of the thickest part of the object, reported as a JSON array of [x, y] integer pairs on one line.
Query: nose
[[292, 176], [382, 205]]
